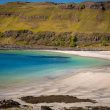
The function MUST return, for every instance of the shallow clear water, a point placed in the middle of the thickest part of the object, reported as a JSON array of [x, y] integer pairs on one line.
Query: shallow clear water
[[16, 66]]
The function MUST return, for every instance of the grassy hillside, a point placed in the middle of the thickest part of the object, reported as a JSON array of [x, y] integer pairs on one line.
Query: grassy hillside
[[84, 25], [39, 17]]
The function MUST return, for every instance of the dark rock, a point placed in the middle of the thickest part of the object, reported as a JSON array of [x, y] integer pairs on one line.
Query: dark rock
[[89, 108], [45, 108], [8, 104], [75, 108], [98, 108], [54, 98]]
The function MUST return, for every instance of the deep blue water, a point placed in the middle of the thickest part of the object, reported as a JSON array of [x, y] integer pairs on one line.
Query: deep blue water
[[24, 65]]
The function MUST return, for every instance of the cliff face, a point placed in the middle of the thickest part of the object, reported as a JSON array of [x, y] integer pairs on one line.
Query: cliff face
[[61, 25]]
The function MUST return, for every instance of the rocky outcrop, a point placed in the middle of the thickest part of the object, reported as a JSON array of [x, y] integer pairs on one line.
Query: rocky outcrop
[[13, 105], [54, 98], [92, 38], [62, 39], [45, 108], [4, 104], [87, 5]]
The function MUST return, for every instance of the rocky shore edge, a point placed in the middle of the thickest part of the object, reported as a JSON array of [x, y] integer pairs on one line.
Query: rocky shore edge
[[15, 47], [31, 100], [26, 39]]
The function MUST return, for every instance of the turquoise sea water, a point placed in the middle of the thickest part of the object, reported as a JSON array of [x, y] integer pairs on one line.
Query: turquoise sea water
[[16, 66]]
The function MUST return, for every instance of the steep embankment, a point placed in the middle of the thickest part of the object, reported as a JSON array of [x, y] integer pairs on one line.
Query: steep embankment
[[65, 25], [62, 39]]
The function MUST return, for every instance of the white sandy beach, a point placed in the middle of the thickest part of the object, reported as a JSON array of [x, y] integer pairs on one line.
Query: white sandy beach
[[96, 54], [87, 83]]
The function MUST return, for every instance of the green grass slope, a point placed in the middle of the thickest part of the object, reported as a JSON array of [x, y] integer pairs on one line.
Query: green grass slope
[[39, 17]]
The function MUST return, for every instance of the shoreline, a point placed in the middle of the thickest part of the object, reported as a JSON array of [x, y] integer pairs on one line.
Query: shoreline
[[14, 47], [92, 83], [84, 53], [80, 52], [83, 84], [94, 54]]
